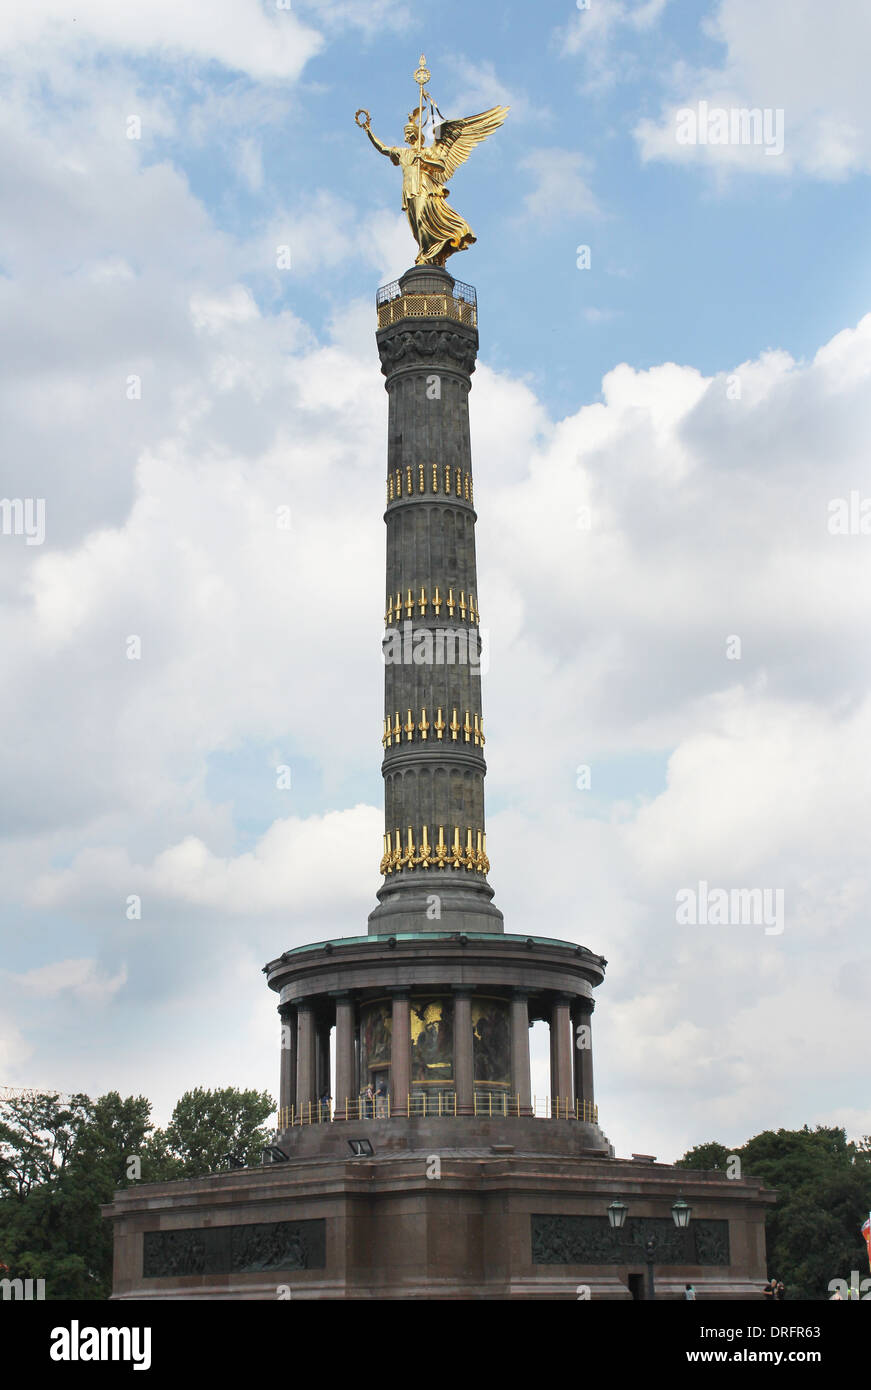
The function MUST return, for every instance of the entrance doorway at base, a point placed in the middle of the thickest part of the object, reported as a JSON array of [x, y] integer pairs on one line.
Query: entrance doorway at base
[[636, 1286]]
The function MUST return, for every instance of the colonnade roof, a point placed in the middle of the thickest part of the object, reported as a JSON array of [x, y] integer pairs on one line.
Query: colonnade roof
[[383, 940]]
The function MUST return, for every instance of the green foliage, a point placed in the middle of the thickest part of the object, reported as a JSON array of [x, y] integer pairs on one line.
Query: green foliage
[[61, 1160], [706, 1156], [823, 1184], [205, 1125]]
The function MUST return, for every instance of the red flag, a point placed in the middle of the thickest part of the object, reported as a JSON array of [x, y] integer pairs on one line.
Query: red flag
[[866, 1232]]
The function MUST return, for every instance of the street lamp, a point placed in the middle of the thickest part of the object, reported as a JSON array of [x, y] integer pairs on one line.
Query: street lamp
[[681, 1212], [617, 1214]]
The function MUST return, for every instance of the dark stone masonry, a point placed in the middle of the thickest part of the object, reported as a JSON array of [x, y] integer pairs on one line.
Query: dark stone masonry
[[414, 1159]]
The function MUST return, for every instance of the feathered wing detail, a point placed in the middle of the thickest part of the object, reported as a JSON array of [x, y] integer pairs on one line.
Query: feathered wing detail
[[457, 139]]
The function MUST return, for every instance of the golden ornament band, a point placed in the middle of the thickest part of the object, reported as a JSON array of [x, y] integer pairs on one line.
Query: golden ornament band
[[472, 730], [431, 478], [452, 853], [399, 607], [426, 306]]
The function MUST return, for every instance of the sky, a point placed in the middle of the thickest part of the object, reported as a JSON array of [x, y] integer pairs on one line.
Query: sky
[[670, 422]]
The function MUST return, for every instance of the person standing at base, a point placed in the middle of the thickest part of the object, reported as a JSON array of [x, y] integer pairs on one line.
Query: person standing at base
[[689, 1292]]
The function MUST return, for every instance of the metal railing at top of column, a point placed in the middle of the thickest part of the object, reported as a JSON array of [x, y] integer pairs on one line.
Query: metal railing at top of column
[[443, 1105], [461, 304]]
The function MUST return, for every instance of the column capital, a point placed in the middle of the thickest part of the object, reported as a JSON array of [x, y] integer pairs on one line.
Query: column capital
[[582, 1004]]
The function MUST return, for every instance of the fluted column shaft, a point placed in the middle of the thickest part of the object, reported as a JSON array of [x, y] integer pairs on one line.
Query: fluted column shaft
[[520, 1066], [582, 1018], [287, 1076], [400, 1052], [561, 1053], [306, 1059], [346, 1089], [432, 728], [464, 1073]]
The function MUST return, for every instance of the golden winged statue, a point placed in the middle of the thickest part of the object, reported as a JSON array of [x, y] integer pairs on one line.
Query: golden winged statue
[[438, 230]]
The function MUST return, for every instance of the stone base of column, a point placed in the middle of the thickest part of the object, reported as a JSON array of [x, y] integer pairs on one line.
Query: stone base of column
[[407, 904]]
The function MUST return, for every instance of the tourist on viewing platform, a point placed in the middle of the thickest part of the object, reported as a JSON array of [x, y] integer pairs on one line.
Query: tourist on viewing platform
[[381, 1101], [369, 1101]]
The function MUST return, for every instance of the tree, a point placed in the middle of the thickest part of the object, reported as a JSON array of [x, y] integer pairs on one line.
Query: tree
[[823, 1184], [711, 1156], [205, 1125], [60, 1161]]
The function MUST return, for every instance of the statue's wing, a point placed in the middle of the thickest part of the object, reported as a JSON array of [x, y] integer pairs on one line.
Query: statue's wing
[[457, 139]]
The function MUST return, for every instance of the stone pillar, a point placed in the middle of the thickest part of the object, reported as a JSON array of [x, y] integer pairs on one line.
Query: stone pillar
[[464, 1067], [305, 1058], [287, 1078], [431, 783], [561, 1054], [322, 1068], [520, 1072], [582, 1016], [400, 1052], [346, 1079]]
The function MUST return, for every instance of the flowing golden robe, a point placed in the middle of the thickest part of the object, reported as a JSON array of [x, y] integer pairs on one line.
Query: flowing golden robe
[[438, 230]]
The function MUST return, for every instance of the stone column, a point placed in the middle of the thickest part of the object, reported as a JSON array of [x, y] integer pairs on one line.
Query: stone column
[[582, 1016], [464, 1067], [520, 1073], [322, 1068], [400, 1053], [561, 1053], [346, 1082], [287, 1078], [305, 1058]]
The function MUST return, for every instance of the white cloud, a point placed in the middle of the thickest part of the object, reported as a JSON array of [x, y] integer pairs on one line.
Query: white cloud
[[81, 980], [708, 518], [595, 32], [785, 56], [239, 34], [560, 181], [477, 87], [307, 865]]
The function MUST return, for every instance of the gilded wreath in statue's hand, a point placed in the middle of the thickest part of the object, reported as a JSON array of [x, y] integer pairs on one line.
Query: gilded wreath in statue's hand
[[364, 125]]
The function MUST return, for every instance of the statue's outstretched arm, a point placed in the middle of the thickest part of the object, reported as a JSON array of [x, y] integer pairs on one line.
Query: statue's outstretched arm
[[380, 146]]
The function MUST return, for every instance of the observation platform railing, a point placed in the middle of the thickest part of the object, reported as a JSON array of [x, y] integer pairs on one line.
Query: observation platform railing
[[485, 1104], [460, 304]]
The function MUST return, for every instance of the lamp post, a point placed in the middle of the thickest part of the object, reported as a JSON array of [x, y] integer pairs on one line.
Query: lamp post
[[681, 1212], [617, 1214]]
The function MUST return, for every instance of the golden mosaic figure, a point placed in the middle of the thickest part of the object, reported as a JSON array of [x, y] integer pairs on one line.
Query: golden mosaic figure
[[438, 230]]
